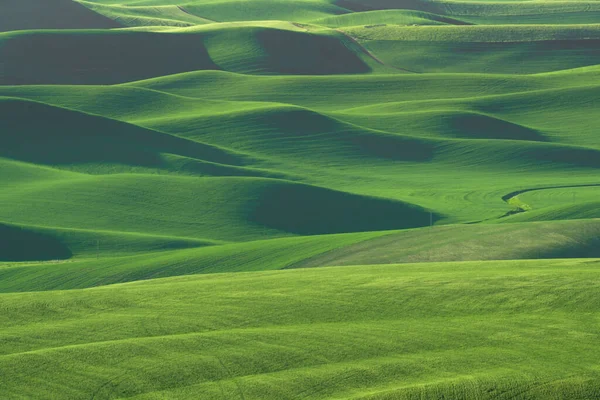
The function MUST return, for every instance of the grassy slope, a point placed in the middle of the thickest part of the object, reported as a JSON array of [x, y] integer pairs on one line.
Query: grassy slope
[[465, 330], [116, 261], [566, 239], [102, 258]]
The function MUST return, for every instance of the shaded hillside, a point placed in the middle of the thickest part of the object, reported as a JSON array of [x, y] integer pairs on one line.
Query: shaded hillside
[[50, 14], [17, 244], [108, 57]]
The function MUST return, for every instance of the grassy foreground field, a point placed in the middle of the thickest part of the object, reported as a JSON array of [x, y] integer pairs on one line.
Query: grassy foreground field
[[459, 330], [303, 199]]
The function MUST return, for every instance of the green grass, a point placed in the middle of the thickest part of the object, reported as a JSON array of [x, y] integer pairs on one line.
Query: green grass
[[326, 199], [465, 330], [103, 257]]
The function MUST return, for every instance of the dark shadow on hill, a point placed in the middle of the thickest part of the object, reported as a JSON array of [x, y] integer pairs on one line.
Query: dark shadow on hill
[[396, 148], [50, 14], [111, 57], [477, 126], [588, 247], [18, 244], [300, 53], [567, 155], [95, 57], [310, 210], [39, 133]]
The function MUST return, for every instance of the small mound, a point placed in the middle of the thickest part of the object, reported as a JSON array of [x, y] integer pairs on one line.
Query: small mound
[[310, 210], [17, 244], [50, 14]]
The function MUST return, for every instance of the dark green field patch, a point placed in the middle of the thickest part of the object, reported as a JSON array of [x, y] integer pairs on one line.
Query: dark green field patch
[[18, 244], [50, 14], [108, 57]]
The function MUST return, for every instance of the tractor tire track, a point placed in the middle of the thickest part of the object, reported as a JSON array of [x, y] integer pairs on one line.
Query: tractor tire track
[[107, 383], [232, 377]]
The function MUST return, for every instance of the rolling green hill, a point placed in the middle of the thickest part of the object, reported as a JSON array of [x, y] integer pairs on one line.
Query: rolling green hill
[[324, 199]]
